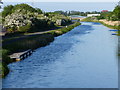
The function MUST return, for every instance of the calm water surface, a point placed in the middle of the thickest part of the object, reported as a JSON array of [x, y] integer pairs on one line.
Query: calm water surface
[[85, 57]]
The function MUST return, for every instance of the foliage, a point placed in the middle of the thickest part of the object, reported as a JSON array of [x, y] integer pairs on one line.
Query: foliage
[[11, 9], [39, 11], [5, 57], [5, 60], [112, 16], [24, 18], [63, 30], [30, 42], [89, 19], [5, 69], [116, 12], [7, 10], [36, 41], [61, 12], [25, 7], [25, 28], [68, 13]]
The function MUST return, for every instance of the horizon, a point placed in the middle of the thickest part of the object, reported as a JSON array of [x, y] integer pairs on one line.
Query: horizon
[[66, 6]]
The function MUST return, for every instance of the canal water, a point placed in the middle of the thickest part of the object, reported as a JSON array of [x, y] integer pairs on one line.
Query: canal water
[[85, 57]]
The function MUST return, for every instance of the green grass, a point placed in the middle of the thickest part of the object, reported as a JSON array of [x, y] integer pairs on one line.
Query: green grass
[[110, 26], [119, 33], [63, 30], [30, 42], [88, 19], [3, 64], [35, 41], [5, 69], [26, 43]]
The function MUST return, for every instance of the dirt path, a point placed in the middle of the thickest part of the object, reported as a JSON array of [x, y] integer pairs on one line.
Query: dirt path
[[9, 39], [112, 23]]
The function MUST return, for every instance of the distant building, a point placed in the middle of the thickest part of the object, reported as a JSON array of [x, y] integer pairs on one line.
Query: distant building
[[104, 10], [91, 15]]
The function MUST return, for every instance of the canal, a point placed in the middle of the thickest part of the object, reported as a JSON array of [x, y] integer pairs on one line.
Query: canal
[[85, 57]]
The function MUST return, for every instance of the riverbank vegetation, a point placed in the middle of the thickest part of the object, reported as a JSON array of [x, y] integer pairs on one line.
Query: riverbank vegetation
[[109, 19], [69, 13], [22, 19], [35, 41], [93, 19], [32, 42], [63, 30]]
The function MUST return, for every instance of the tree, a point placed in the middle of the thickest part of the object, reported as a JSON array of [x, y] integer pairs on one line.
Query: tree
[[39, 10], [116, 12], [24, 7], [7, 10]]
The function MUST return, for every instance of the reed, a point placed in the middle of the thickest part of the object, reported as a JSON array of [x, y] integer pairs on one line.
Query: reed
[[30, 42]]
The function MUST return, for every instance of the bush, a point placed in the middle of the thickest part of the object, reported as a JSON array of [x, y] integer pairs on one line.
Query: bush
[[5, 57], [11, 29], [63, 30], [5, 69], [11, 9], [116, 12], [25, 28], [39, 11], [24, 7], [31, 42]]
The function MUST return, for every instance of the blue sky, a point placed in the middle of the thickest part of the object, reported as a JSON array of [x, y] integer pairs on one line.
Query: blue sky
[[60, 0]]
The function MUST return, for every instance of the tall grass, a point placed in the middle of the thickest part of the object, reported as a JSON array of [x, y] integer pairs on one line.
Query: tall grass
[[110, 26], [3, 64], [30, 42], [63, 30], [26, 43]]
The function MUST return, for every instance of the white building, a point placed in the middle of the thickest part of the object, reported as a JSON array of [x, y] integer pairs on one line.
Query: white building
[[91, 15]]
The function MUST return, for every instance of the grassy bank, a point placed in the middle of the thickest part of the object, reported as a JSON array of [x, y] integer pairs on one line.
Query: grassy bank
[[3, 64], [26, 43], [63, 30], [91, 20], [30, 42]]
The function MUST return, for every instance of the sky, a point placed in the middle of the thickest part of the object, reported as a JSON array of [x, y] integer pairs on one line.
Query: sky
[[60, 0]]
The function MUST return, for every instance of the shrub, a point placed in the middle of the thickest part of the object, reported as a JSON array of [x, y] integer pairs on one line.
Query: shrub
[[25, 28], [5, 69], [31, 42], [39, 11], [116, 12], [24, 7], [5, 57], [63, 30]]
